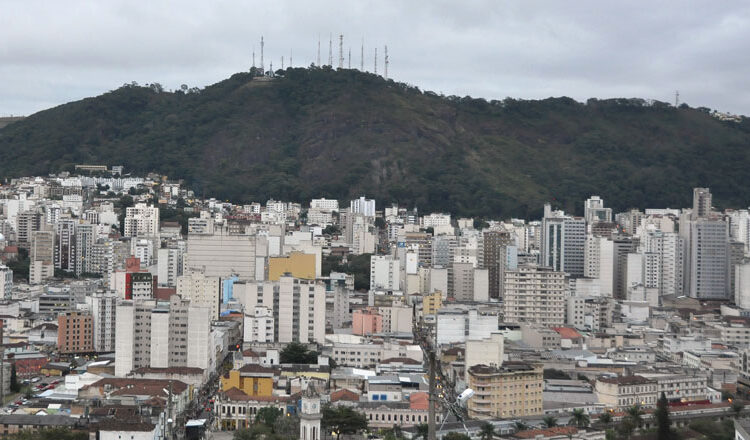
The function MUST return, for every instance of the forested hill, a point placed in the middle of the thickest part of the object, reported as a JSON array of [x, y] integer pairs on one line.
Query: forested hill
[[341, 134]]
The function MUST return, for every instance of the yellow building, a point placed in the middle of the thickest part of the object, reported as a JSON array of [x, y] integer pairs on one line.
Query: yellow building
[[432, 303], [512, 390], [253, 380], [298, 264]]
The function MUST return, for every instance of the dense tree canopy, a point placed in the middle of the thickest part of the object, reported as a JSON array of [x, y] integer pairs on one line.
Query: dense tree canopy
[[339, 134]]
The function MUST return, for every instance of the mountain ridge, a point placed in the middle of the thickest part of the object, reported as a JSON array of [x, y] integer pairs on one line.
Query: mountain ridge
[[318, 132]]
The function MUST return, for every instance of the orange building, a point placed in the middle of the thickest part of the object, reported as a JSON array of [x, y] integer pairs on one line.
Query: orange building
[[75, 333], [366, 322]]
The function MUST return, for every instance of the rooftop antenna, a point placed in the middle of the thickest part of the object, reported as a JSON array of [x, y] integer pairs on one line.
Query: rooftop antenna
[[676, 98], [386, 62], [341, 51], [375, 64], [261, 54], [330, 50], [362, 56], [350, 58], [318, 64]]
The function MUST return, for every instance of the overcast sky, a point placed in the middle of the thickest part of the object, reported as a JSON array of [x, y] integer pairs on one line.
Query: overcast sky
[[52, 52]]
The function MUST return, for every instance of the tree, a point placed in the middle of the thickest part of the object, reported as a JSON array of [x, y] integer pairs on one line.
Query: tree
[[342, 420], [287, 427], [487, 431], [254, 432], [268, 416], [456, 436], [661, 416], [297, 353], [521, 426], [422, 430], [579, 418], [737, 407], [635, 415], [626, 427], [605, 418], [14, 385], [549, 421]]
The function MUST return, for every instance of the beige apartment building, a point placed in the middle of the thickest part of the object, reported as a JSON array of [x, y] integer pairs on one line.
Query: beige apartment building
[[512, 390]]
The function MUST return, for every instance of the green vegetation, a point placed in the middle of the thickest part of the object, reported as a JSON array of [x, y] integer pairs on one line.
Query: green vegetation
[[549, 421], [357, 265], [456, 436], [297, 353], [664, 429], [714, 430], [552, 373], [342, 420], [579, 418], [339, 134]]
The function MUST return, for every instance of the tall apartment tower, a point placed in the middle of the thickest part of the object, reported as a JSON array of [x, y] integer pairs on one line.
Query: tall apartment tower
[[535, 295], [701, 203], [103, 306], [160, 334], [595, 212], [42, 256], [708, 259], [563, 242], [65, 245], [141, 220], [494, 252]]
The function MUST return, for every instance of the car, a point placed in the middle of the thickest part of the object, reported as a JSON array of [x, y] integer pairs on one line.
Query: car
[[18, 402], [36, 379]]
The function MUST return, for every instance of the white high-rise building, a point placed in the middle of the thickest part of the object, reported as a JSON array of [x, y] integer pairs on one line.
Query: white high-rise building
[[141, 220], [259, 325], [103, 306], [363, 206], [595, 212], [222, 254], [599, 263], [160, 334], [534, 295], [324, 204], [708, 265], [385, 273], [6, 282], [563, 242], [85, 239], [169, 265], [201, 290], [742, 286], [301, 310], [42, 255]]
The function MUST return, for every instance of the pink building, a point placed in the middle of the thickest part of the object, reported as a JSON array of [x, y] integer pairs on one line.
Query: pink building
[[366, 322]]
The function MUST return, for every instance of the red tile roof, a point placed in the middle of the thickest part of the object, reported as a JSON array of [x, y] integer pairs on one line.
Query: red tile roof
[[567, 332], [547, 432], [344, 394]]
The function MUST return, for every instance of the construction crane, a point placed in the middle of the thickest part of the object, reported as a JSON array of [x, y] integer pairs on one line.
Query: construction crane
[[440, 386]]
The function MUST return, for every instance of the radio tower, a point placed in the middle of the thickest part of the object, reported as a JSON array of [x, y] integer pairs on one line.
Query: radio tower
[[282, 62], [253, 56], [262, 69], [676, 98], [290, 58], [386, 62], [350, 58], [330, 50], [318, 63], [341, 51], [375, 64], [362, 56]]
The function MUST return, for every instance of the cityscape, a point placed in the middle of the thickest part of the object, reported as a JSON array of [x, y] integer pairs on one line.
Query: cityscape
[[131, 306], [385, 220]]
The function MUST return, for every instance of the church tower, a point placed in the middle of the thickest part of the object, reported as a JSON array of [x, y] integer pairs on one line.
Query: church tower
[[310, 416]]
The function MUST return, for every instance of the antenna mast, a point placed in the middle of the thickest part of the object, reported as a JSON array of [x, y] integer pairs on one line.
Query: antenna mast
[[375, 63], [386, 62], [362, 56], [676, 98], [350, 58], [253, 56], [261, 55], [318, 64], [341, 51], [330, 50], [290, 57], [282, 62]]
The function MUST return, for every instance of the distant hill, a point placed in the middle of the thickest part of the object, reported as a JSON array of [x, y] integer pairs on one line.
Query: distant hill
[[341, 134], [6, 120]]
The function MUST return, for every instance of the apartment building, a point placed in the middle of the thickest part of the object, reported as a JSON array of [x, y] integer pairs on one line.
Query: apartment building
[[75, 333], [511, 390], [141, 220], [535, 295], [624, 391]]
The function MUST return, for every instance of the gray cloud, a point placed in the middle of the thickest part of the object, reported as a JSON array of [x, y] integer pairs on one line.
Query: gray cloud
[[53, 52]]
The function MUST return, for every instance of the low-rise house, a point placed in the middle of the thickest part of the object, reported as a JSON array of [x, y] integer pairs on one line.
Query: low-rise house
[[624, 391]]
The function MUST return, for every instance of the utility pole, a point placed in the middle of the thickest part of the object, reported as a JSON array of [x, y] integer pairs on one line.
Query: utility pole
[[431, 434]]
